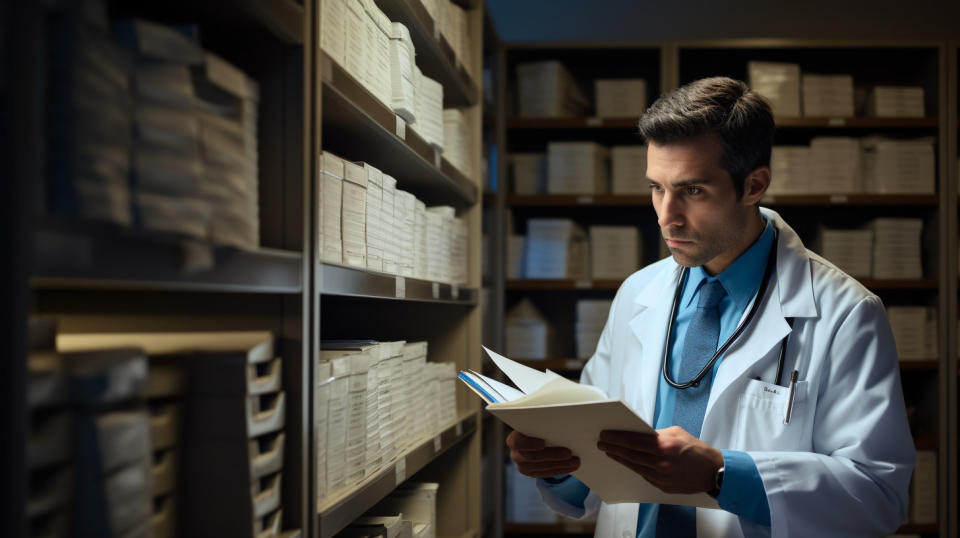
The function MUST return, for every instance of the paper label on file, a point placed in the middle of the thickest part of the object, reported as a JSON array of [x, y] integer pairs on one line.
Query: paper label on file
[[197, 256], [437, 444], [401, 128], [401, 470], [838, 199], [455, 292], [436, 158], [582, 284], [836, 122], [459, 429], [401, 288], [594, 122], [585, 200], [436, 290]]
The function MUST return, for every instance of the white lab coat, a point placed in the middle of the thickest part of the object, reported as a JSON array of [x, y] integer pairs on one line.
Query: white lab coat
[[842, 466]]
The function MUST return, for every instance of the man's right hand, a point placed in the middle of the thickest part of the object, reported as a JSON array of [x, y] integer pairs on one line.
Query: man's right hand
[[537, 460]]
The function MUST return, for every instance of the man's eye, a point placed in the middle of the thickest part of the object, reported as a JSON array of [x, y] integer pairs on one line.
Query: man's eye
[[655, 188], [693, 191]]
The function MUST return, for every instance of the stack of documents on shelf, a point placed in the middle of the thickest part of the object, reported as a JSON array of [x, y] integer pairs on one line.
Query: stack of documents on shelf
[[420, 240], [515, 251], [576, 168], [333, 30], [89, 123], [429, 111], [330, 187], [835, 165], [924, 489], [914, 331], [388, 226], [375, 221], [414, 365], [528, 334], [416, 503], [460, 254], [828, 95], [619, 98], [529, 173], [591, 317], [849, 250], [343, 409], [522, 499], [555, 248], [629, 165], [897, 248], [414, 355], [403, 84], [457, 141], [898, 166], [548, 90], [378, 28], [444, 389], [895, 102], [404, 212], [790, 171], [373, 452], [356, 52], [453, 24], [390, 375], [440, 243], [354, 218], [779, 83], [615, 251]]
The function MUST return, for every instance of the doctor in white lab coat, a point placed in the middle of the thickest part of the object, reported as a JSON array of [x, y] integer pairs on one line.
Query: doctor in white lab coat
[[842, 465]]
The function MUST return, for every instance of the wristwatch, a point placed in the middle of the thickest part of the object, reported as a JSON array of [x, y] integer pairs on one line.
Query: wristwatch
[[717, 483]]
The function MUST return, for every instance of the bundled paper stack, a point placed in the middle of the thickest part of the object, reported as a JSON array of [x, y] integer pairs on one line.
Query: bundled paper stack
[[459, 256], [548, 90], [850, 250], [629, 164], [403, 85], [453, 24], [898, 166], [333, 30], [389, 376], [835, 165], [429, 111], [529, 173], [375, 221], [620, 98], [388, 227], [420, 241], [576, 168], [405, 213], [445, 393], [790, 171], [779, 83], [896, 250], [354, 218], [523, 502], [439, 243], [356, 52], [528, 334], [333, 418], [895, 102], [330, 185], [828, 95], [89, 123], [378, 28], [515, 251], [416, 505], [411, 427], [457, 140], [555, 248], [614, 251], [591, 317], [914, 331], [923, 489]]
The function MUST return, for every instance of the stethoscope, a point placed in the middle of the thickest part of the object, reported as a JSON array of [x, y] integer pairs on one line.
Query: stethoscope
[[695, 382]]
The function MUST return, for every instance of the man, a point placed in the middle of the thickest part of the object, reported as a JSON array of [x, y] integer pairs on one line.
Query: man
[[798, 427]]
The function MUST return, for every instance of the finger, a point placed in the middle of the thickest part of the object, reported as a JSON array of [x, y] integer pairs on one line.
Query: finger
[[642, 459], [645, 442], [552, 453], [519, 441], [548, 469]]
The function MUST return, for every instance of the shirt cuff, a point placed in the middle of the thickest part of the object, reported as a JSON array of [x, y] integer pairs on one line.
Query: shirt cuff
[[570, 492], [742, 492]]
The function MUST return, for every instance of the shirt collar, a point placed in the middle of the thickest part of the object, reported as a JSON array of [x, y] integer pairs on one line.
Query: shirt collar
[[741, 279]]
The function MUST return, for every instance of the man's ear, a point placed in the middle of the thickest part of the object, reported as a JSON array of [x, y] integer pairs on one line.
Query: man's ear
[[755, 185]]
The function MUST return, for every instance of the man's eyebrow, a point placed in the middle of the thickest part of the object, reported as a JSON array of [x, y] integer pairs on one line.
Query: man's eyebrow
[[684, 183]]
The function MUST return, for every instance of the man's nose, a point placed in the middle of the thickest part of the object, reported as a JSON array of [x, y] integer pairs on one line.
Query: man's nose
[[669, 211]]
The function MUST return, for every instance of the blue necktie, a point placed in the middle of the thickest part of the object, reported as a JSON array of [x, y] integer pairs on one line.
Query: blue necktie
[[699, 345]]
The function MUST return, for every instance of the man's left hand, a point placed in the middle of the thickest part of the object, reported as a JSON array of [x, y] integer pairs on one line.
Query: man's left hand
[[670, 459]]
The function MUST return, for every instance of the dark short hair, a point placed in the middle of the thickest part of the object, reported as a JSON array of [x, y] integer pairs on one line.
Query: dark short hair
[[741, 118]]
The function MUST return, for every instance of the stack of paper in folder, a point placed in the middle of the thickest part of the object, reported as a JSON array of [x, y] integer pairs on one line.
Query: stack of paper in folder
[[403, 84], [528, 334], [614, 251], [790, 171], [429, 112], [354, 219], [523, 501], [228, 102], [850, 250], [330, 187], [457, 141], [420, 241], [405, 217], [898, 166], [374, 215], [555, 248], [548, 90], [895, 102], [388, 227], [779, 83], [619, 98], [914, 331], [459, 255], [896, 248], [167, 164], [515, 252], [529, 173], [89, 118], [828, 95], [417, 503], [629, 165], [356, 52], [835, 164], [591, 317], [576, 168], [379, 28], [333, 30], [924, 489], [439, 243]]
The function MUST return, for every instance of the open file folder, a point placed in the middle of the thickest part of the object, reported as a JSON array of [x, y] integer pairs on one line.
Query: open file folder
[[564, 413]]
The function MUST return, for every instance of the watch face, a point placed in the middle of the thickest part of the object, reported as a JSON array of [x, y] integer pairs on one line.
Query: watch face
[[719, 478]]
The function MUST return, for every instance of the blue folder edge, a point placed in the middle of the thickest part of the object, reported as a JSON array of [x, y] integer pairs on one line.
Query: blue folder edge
[[477, 387]]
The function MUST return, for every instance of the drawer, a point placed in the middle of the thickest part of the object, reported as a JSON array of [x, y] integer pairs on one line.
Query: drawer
[[235, 375], [268, 526], [265, 495], [164, 518]]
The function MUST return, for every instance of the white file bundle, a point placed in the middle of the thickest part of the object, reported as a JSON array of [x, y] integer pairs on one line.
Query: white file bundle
[[828, 95], [330, 185], [576, 168], [548, 90], [898, 166], [378, 29], [457, 140], [357, 54], [555, 248], [790, 171], [388, 227], [375, 221], [618, 98], [895, 102], [403, 83], [914, 331], [354, 214], [527, 332], [429, 111], [591, 317], [614, 251], [835, 164], [849, 250], [779, 83], [516, 247], [629, 166], [897, 248], [439, 243]]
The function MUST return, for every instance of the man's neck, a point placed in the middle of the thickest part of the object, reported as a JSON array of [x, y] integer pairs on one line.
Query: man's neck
[[755, 226]]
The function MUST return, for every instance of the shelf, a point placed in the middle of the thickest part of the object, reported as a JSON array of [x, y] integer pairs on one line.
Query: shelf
[[570, 200], [550, 529], [346, 281], [435, 56], [892, 285], [91, 256], [858, 123], [560, 284], [360, 128], [572, 123], [284, 18], [930, 200], [334, 514], [557, 365], [926, 364]]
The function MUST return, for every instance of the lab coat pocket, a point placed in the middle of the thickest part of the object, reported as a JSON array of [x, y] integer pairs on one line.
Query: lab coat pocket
[[760, 417]]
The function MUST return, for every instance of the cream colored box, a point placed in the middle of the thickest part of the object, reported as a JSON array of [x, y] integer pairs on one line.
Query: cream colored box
[[330, 185], [354, 223], [374, 219], [388, 225], [618, 98]]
